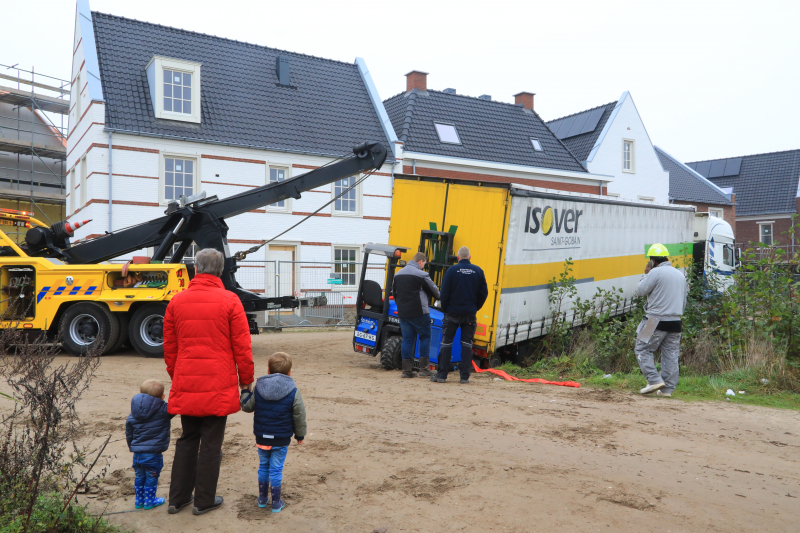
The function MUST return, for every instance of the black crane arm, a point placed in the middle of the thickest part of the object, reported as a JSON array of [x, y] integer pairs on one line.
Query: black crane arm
[[203, 222]]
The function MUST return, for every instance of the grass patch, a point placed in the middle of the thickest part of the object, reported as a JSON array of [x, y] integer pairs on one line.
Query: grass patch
[[47, 512], [692, 387]]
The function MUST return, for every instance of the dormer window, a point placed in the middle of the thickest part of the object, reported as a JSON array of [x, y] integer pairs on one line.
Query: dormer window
[[174, 88], [447, 133]]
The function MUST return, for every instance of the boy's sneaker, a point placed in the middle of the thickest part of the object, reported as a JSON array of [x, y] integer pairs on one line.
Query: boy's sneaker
[[139, 501], [218, 501], [652, 388], [150, 500], [664, 394], [173, 509], [263, 494], [277, 503]]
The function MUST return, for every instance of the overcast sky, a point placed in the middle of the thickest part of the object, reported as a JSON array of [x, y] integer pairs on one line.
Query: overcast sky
[[710, 78]]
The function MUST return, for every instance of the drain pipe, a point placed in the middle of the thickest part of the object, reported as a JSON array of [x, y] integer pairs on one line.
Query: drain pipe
[[110, 181], [414, 166]]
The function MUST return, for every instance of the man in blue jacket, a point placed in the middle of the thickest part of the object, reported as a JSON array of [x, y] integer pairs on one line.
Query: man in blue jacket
[[464, 292]]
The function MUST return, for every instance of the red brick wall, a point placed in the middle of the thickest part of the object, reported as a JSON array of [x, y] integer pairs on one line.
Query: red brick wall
[[728, 212], [417, 80], [472, 176], [747, 231]]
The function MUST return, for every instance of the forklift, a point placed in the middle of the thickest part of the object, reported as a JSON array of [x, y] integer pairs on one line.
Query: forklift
[[378, 325]]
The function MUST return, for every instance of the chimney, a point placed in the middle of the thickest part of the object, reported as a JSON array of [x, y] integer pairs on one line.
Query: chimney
[[417, 80], [524, 98], [282, 70]]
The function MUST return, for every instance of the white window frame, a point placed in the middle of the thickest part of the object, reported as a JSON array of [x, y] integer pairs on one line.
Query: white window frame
[[358, 211], [196, 186], [771, 233], [287, 204], [455, 129], [84, 168], [71, 198], [357, 262], [534, 142], [632, 154], [715, 212], [179, 65]]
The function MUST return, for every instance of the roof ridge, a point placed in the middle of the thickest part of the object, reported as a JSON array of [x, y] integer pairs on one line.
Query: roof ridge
[[584, 111], [223, 38], [475, 98], [750, 155], [409, 116]]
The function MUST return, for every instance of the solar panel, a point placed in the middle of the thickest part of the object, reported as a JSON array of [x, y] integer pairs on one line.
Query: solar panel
[[703, 168], [554, 126], [693, 166], [717, 169], [577, 126], [592, 120], [733, 167], [565, 127]]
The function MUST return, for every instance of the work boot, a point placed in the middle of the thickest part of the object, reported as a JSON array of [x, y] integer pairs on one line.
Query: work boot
[[138, 503], [175, 508], [424, 370], [277, 503], [408, 372], [263, 493], [218, 501]]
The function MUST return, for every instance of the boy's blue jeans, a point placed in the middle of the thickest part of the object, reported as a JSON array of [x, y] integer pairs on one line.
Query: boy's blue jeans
[[270, 466], [147, 467]]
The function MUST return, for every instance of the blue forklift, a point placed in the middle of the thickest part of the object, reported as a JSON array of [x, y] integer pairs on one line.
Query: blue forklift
[[377, 324]]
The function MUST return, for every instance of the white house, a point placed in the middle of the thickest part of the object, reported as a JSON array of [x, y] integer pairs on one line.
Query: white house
[[611, 139], [158, 112]]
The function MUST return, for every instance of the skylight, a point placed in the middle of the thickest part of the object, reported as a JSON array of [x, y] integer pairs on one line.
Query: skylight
[[536, 145], [447, 133]]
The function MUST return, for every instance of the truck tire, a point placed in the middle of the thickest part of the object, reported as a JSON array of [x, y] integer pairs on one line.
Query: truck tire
[[124, 324], [87, 325], [390, 353], [146, 330]]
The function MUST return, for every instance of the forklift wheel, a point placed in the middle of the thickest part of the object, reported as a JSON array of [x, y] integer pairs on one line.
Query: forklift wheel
[[390, 353], [495, 361]]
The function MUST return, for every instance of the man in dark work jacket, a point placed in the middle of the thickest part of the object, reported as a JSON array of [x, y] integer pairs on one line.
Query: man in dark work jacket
[[464, 292], [411, 288]]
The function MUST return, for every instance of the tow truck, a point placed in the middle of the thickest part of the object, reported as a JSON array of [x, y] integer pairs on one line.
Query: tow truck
[[71, 293]]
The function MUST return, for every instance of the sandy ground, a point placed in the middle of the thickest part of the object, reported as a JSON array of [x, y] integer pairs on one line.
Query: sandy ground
[[409, 455]]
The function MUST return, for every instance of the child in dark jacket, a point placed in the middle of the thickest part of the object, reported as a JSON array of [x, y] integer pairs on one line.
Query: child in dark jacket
[[279, 414], [147, 432]]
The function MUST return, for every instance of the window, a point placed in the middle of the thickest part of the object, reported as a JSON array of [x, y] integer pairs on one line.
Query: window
[[536, 145], [344, 267], [765, 234], [447, 133], [190, 254], [628, 156], [347, 203], [72, 192], [77, 99], [174, 88], [727, 255], [715, 213], [276, 175], [178, 91], [82, 185], [178, 178]]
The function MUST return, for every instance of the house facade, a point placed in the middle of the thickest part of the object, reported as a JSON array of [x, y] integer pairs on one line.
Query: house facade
[[612, 140], [449, 135], [766, 187], [160, 112], [687, 187]]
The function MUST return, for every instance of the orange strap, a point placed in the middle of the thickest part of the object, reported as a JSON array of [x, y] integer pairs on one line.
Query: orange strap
[[532, 380]]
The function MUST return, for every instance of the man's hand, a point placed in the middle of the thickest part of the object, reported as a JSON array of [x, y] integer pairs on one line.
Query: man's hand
[[648, 267]]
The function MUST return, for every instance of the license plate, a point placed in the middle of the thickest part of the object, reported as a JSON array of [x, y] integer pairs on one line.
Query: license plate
[[364, 335]]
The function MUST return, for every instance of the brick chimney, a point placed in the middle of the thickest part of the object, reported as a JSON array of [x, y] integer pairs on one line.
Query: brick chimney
[[417, 80], [524, 98]]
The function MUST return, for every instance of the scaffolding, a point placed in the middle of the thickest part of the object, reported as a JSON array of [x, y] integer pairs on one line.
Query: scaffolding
[[33, 141]]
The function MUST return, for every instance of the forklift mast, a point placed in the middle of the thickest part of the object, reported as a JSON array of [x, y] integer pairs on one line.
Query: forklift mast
[[438, 248]]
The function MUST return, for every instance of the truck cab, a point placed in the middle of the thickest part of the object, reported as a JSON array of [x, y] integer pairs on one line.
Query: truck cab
[[715, 251]]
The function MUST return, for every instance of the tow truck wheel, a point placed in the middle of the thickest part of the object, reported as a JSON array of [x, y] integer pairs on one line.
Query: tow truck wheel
[[390, 353], [146, 330], [124, 324], [87, 325]]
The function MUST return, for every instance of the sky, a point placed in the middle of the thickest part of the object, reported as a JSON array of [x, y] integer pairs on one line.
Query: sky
[[710, 79]]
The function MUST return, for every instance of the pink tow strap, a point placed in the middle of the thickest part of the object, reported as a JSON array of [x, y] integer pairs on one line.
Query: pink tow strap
[[532, 380]]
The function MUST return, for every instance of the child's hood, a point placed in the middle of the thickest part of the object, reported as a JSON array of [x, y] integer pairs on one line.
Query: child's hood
[[144, 406], [273, 387]]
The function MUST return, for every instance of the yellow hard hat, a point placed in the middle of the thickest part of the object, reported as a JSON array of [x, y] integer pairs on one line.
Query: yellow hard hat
[[658, 250]]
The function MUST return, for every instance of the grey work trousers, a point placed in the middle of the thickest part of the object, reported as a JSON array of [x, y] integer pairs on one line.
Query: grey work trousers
[[670, 344]]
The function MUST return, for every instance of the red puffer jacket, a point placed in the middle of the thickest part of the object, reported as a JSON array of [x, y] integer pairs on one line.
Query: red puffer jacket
[[206, 344]]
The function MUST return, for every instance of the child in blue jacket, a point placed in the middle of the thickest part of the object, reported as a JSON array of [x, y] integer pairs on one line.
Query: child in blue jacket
[[279, 414], [147, 432]]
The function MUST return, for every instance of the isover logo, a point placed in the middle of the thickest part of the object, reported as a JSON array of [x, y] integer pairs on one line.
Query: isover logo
[[548, 219]]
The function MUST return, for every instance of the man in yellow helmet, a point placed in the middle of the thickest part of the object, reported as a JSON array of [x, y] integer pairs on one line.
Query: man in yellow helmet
[[666, 290]]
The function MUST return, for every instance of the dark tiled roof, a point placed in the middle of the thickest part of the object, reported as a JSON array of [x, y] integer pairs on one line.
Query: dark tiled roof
[[488, 130], [581, 145], [766, 183], [327, 109], [688, 186]]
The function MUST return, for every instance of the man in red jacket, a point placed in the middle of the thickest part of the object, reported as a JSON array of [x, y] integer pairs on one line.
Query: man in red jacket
[[208, 353]]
